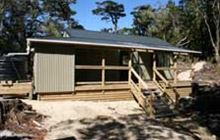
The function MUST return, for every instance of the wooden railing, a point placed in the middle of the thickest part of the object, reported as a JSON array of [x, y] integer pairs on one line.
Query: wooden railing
[[97, 67], [165, 82], [174, 69], [137, 89], [141, 82], [144, 102], [162, 83], [102, 68]]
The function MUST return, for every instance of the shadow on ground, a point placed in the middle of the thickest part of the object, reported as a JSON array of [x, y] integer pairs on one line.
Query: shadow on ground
[[205, 107], [137, 127], [203, 111], [68, 138]]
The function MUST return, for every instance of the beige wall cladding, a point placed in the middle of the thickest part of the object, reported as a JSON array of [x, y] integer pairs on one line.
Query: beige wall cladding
[[54, 72]]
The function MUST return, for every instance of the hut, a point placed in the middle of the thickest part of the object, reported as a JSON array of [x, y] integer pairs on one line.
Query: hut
[[90, 65]]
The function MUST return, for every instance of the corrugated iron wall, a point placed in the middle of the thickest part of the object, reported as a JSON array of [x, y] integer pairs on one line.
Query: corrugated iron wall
[[54, 72]]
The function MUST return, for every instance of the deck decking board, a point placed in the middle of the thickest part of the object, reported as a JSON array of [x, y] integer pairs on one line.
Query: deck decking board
[[95, 91], [94, 97], [16, 89]]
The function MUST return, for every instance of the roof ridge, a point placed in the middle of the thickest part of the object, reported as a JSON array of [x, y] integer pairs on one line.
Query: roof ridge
[[136, 42], [115, 34]]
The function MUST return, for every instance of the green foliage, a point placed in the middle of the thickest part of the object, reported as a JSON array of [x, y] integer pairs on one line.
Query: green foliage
[[20, 19], [110, 11], [182, 25], [106, 30], [200, 16], [162, 22], [126, 31], [144, 19]]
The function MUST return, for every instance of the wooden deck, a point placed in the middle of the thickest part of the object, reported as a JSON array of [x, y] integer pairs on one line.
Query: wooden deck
[[179, 84], [94, 92], [15, 89], [175, 90], [179, 89]]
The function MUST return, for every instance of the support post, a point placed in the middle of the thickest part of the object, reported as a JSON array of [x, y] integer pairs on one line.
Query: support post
[[129, 70], [30, 95], [139, 69], [103, 71], [175, 68], [192, 75], [154, 66]]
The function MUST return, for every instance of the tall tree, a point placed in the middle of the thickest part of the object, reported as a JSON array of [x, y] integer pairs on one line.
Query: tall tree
[[22, 19], [210, 11], [110, 11], [191, 24], [163, 23], [193, 27], [143, 19], [200, 19]]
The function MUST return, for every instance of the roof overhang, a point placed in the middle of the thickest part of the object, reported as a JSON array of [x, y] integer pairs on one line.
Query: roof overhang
[[123, 45]]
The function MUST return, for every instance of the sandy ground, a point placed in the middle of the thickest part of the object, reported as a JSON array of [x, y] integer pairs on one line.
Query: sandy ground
[[105, 120]]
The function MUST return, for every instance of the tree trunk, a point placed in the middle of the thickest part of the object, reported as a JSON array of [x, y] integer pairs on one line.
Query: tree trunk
[[217, 57], [115, 28]]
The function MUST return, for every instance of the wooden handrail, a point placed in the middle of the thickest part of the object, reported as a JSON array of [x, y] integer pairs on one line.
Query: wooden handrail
[[140, 80], [135, 86], [139, 96], [87, 67], [172, 68], [99, 82], [103, 68], [159, 86], [175, 69], [117, 68], [98, 67], [161, 76], [143, 101]]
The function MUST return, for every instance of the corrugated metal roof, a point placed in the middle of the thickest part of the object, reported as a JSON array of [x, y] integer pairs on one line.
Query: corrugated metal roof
[[95, 38]]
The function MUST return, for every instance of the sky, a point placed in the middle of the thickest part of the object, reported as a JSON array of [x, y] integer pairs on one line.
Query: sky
[[92, 22]]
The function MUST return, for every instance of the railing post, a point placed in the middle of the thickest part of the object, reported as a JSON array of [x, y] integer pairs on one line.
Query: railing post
[[103, 71], [175, 68], [154, 66], [139, 69], [129, 70]]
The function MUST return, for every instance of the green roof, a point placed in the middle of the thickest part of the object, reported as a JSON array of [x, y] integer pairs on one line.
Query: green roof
[[102, 39], [131, 40]]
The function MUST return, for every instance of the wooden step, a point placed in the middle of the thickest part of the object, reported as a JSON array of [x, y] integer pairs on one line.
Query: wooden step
[[151, 84], [162, 109], [148, 92]]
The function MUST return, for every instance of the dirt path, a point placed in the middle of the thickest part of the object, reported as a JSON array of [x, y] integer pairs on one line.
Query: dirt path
[[107, 120]]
